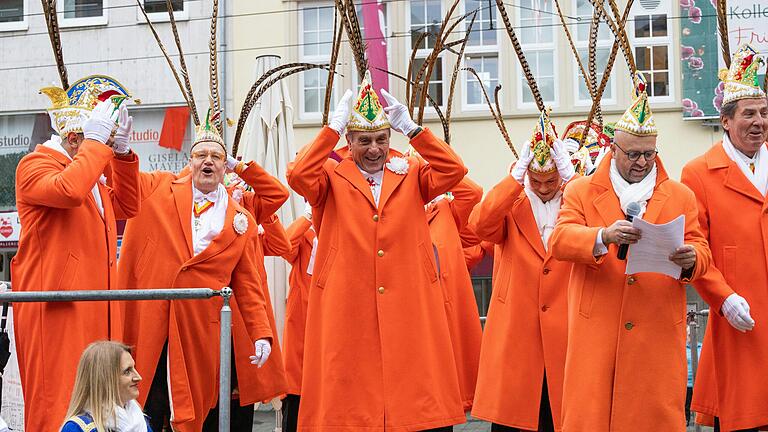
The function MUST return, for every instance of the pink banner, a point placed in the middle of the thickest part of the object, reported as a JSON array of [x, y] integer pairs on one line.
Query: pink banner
[[373, 20]]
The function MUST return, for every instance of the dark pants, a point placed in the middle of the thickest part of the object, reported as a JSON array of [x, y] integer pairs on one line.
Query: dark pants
[[688, 396], [158, 406], [717, 427], [546, 423], [241, 418], [290, 412]]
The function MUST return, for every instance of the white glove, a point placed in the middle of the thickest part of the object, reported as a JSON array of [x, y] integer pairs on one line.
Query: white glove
[[571, 145], [307, 210], [398, 116], [588, 165], [562, 161], [231, 163], [262, 351], [736, 311], [100, 124], [600, 155], [122, 137], [521, 166], [340, 116]]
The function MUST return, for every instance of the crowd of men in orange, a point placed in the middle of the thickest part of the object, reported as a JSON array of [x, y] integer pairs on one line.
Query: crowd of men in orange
[[382, 330]]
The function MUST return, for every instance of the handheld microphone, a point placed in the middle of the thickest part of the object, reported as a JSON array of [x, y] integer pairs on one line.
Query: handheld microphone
[[633, 209]]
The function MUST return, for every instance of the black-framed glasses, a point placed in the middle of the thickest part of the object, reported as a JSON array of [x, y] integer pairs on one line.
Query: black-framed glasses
[[635, 155]]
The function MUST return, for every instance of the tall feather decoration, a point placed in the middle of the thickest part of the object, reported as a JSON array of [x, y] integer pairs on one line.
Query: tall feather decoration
[[346, 9], [213, 68], [626, 47], [411, 92], [520, 55], [573, 46], [722, 28], [338, 31], [496, 113], [455, 75], [594, 27], [182, 64], [52, 21]]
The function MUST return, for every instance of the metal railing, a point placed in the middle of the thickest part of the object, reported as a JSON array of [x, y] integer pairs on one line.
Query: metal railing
[[225, 341]]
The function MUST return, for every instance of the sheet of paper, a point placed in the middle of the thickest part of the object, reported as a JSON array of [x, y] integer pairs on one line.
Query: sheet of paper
[[651, 253]]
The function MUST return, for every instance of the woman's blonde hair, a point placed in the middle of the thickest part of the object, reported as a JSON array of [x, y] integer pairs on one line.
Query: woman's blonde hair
[[97, 385]]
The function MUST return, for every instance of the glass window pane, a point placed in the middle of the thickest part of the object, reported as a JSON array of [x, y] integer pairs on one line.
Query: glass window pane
[[660, 58], [310, 19], [547, 89], [659, 25], [326, 42], [642, 26], [310, 44], [11, 11], [83, 8], [155, 6], [325, 17], [643, 58], [311, 100], [661, 84]]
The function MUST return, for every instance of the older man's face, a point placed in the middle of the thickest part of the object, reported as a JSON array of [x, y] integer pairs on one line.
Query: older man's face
[[207, 163], [635, 156], [545, 186], [369, 149], [749, 126]]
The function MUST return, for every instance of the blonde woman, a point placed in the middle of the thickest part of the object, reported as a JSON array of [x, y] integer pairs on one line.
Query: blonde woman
[[106, 388]]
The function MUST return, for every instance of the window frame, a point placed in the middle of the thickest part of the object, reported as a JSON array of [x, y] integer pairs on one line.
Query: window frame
[[577, 80], [162, 17], [18, 25], [303, 114], [422, 53], [480, 50], [521, 83], [653, 41], [86, 21]]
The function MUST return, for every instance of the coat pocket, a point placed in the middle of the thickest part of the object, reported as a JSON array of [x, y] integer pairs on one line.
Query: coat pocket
[[730, 269], [427, 263], [146, 254], [325, 270], [69, 273], [502, 281], [587, 291]]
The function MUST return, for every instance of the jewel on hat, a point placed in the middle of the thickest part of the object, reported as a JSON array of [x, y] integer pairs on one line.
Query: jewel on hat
[[367, 113]]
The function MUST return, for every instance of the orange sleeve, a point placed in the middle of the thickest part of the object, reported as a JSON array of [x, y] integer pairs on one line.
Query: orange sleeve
[[249, 292], [275, 241], [41, 181], [295, 234], [488, 218], [126, 190], [444, 170], [268, 193], [466, 194], [572, 240], [306, 175]]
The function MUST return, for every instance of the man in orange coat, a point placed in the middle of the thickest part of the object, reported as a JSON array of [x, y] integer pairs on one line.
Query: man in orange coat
[[447, 216], [625, 366], [189, 233], [301, 258], [378, 348], [523, 353], [69, 242], [730, 182]]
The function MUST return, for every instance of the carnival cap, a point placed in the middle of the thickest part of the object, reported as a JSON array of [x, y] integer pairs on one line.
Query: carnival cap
[[638, 118]]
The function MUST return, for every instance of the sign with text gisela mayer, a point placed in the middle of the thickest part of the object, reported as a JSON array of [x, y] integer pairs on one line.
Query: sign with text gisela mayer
[[700, 51]]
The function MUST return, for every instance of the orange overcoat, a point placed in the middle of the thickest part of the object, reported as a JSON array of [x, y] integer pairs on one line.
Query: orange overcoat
[[446, 219], [526, 331], [260, 384], [65, 244], [158, 253], [734, 218], [625, 367], [301, 236], [378, 347]]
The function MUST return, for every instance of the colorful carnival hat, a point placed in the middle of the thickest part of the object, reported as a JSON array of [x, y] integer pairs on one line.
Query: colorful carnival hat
[[208, 132], [594, 140], [741, 79], [367, 113], [72, 107], [638, 118], [543, 139]]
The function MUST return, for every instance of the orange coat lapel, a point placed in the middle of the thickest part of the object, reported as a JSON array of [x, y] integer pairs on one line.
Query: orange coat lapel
[[607, 203], [182, 195], [389, 183], [223, 240], [522, 213], [735, 180], [347, 169], [660, 196]]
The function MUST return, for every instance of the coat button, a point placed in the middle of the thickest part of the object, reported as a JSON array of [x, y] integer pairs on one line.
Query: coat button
[[381, 290], [546, 271], [631, 280], [111, 262], [629, 325], [381, 253], [375, 218], [184, 268], [544, 308]]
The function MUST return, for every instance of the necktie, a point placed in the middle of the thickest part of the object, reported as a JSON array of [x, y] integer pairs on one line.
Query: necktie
[[752, 167], [203, 201]]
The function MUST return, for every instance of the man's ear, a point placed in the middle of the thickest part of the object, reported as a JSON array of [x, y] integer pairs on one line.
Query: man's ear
[[725, 121], [72, 140]]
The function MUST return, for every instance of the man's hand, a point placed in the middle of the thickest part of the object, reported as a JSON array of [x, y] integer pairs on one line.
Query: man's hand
[[231, 163], [736, 311], [262, 350], [340, 116], [684, 256], [398, 116], [620, 232], [562, 161], [122, 136], [521, 166], [100, 124]]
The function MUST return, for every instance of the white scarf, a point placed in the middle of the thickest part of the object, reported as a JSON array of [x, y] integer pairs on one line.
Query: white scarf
[[129, 419], [639, 192], [55, 144], [374, 181], [311, 264], [545, 213], [760, 177], [211, 222]]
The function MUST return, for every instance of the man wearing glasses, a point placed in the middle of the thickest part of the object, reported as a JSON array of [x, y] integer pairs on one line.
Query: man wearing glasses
[[191, 233], [625, 365]]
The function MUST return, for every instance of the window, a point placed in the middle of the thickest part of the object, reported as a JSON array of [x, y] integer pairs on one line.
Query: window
[[605, 39], [157, 10], [83, 12], [315, 43], [481, 54], [426, 17], [536, 23], [12, 15], [652, 38]]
